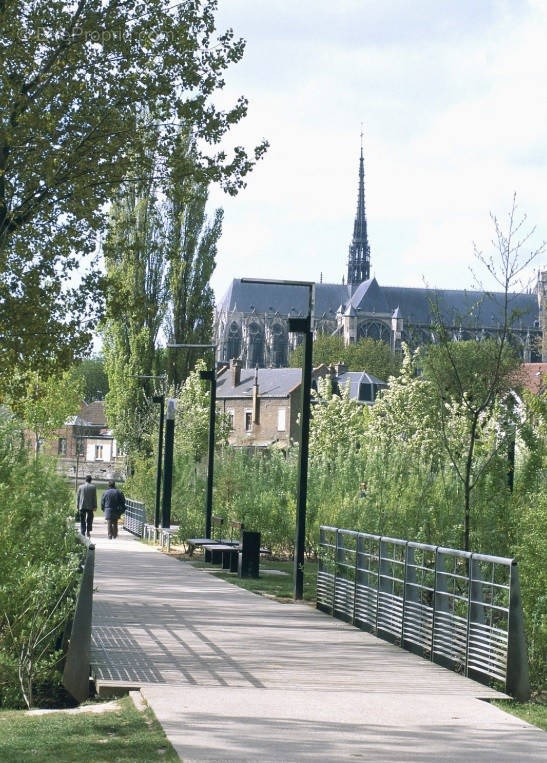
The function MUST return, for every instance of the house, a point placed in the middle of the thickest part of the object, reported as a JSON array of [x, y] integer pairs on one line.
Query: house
[[85, 445], [263, 404], [533, 377]]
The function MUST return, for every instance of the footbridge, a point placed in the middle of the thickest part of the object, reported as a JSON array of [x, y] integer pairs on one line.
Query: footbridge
[[235, 676]]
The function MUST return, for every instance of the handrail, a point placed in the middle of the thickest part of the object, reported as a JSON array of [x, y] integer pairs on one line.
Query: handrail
[[134, 517], [456, 608], [77, 661]]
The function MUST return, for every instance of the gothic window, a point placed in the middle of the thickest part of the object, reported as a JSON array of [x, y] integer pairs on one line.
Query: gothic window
[[374, 330], [61, 446], [255, 352], [234, 341], [279, 346]]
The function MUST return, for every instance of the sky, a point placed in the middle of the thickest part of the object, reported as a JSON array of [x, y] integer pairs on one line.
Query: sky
[[452, 95]]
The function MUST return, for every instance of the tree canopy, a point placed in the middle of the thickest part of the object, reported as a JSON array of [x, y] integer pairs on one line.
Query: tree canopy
[[367, 354], [76, 78]]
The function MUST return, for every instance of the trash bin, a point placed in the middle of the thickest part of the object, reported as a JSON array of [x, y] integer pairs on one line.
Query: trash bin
[[249, 556]]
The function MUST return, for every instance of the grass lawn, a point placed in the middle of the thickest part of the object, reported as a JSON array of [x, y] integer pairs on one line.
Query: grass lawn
[[122, 735], [531, 712], [276, 578]]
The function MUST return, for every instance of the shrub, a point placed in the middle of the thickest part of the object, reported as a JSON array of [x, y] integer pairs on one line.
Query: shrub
[[39, 561]]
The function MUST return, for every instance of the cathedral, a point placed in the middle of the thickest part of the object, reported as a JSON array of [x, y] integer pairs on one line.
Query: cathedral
[[252, 319]]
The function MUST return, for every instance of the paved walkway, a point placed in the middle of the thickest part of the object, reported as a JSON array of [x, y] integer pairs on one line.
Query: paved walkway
[[234, 676]]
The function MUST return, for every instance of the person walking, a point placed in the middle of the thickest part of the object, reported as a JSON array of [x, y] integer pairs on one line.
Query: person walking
[[86, 504], [113, 505]]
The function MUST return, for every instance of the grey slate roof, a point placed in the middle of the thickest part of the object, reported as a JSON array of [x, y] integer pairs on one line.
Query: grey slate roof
[[354, 379], [414, 303], [272, 382], [280, 382], [369, 297], [472, 308]]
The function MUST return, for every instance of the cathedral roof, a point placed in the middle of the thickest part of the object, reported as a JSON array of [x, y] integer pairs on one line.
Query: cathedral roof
[[369, 297], [468, 308], [287, 300]]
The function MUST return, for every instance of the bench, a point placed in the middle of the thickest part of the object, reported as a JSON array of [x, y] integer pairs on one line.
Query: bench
[[216, 529], [166, 534], [216, 555], [221, 553]]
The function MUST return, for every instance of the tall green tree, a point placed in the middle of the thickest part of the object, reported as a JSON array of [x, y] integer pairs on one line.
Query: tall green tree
[[473, 377], [74, 77], [367, 354], [192, 247], [135, 259], [94, 378], [44, 404]]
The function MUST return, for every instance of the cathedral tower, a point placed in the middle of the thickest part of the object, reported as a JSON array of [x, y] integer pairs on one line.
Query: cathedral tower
[[359, 249]]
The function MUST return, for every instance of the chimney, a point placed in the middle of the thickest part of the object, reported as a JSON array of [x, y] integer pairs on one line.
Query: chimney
[[256, 413], [235, 370], [340, 368]]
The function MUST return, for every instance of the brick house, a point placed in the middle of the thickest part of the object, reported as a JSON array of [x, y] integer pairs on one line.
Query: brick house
[[263, 404]]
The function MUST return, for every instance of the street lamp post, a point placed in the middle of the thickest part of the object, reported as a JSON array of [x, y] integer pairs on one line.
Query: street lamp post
[[161, 400], [304, 326], [211, 377], [168, 463]]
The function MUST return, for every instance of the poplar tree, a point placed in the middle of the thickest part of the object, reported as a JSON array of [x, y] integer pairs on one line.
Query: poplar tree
[[192, 248], [134, 254]]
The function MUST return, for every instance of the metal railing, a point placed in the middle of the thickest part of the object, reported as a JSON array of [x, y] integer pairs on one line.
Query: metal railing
[[459, 609], [134, 517], [76, 665]]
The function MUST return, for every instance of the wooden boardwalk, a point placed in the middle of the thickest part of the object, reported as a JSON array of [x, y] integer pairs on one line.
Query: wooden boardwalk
[[173, 631]]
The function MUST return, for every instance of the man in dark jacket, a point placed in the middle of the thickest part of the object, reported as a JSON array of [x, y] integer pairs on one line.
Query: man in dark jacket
[[86, 503], [113, 505]]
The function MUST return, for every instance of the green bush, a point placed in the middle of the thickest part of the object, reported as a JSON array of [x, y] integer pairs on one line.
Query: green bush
[[39, 562]]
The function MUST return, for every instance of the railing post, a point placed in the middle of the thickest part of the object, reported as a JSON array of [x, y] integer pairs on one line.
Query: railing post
[[409, 591], [437, 588], [379, 581], [517, 681], [358, 547], [334, 567]]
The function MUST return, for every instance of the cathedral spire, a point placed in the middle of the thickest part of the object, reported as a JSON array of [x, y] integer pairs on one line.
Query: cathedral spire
[[359, 249]]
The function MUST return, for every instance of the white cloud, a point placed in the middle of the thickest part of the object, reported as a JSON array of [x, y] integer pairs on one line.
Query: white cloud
[[454, 104]]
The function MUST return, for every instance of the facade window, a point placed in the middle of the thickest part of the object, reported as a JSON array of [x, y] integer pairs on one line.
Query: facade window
[[80, 442], [279, 346], [39, 445], [281, 419], [230, 415], [234, 341], [248, 421], [98, 452], [61, 446], [255, 349]]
